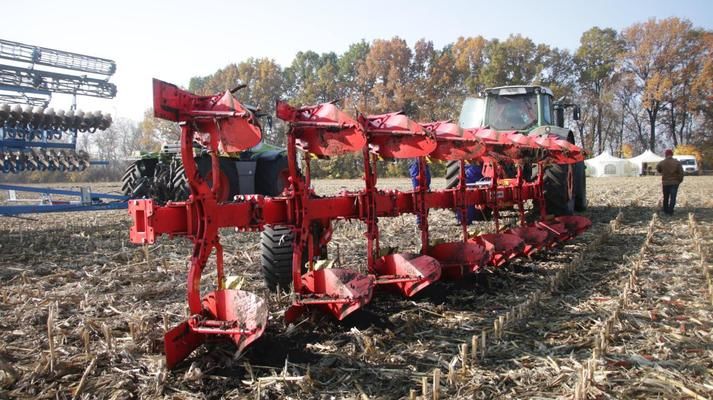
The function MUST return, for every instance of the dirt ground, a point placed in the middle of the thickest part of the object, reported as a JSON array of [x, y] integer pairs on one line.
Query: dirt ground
[[623, 311]]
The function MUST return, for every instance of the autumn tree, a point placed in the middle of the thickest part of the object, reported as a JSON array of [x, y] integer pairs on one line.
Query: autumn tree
[[387, 66], [468, 59], [596, 62], [354, 83], [155, 131], [652, 57], [514, 61]]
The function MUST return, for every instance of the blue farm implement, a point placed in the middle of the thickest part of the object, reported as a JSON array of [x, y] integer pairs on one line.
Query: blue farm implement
[[34, 137]]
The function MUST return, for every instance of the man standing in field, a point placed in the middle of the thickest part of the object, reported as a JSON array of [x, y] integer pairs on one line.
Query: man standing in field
[[671, 176]]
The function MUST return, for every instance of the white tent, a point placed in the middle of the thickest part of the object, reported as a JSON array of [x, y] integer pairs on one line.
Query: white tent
[[607, 165], [646, 162]]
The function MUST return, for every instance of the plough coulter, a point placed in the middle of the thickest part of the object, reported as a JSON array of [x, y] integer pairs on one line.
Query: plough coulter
[[220, 123]]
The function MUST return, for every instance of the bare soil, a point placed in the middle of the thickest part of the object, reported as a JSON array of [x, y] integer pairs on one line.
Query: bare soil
[[82, 309]]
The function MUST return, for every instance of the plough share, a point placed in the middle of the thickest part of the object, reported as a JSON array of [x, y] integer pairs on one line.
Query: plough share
[[221, 123]]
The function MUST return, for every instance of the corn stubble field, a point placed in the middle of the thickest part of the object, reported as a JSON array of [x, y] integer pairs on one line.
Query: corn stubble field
[[623, 311]]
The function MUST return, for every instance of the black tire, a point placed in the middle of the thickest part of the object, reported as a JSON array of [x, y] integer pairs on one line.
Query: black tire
[[580, 187], [276, 245], [179, 183], [271, 175], [134, 180], [557, 198], [452, 174]]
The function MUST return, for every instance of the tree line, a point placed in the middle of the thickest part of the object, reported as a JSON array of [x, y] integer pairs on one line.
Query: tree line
[[648, 86]]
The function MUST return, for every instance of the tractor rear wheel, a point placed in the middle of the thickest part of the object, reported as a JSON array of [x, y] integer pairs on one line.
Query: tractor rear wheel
[[557, 190], [229, 181], [179, 183], [135, 182], [276, 245], [452, 174]]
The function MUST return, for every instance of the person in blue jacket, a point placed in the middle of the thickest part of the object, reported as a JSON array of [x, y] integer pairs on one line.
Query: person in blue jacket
[[473, 173], [413, 170]]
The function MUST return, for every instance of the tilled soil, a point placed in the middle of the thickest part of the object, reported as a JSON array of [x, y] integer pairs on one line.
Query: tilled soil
[[105, 304]]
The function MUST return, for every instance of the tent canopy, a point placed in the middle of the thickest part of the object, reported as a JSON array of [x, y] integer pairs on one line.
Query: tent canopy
[[646, 162], [607, 165]]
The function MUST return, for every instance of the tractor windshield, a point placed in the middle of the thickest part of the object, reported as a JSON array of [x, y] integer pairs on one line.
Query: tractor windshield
[[512, 112]]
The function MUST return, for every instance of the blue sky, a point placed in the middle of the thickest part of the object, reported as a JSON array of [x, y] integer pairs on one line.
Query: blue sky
[[175, 40]]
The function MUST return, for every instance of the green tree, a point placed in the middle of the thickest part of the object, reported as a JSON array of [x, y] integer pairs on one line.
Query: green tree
[[354, 82], [597, 60], [515, 61]]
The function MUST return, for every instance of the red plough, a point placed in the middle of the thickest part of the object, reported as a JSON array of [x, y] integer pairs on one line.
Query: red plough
[[221, 123]]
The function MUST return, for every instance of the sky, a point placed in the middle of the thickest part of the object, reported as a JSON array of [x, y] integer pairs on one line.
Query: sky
[[176, 40]]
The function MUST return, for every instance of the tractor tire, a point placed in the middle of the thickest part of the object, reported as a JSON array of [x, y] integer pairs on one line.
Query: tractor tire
[[135, 181], [271, 175], [556, 191], [179, 183], [452, 174], [276, 245], [131, 174], [580, 187]]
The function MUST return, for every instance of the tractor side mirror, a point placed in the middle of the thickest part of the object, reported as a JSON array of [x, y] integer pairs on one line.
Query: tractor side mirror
[[559, 115], [268, 124], [576, 113]]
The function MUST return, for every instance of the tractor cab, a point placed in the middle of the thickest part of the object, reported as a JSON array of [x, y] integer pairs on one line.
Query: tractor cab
[[517, 108], [531, 111]]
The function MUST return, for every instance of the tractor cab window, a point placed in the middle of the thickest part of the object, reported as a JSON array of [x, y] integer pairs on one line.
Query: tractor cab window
[[472, 113], [547, 118], [512, 112]]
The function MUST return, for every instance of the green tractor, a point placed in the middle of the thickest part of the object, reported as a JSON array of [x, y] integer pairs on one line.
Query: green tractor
[[531, 111], [260, 170], [160, 176]]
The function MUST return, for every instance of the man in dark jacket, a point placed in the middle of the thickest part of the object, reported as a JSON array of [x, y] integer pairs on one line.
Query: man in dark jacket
[[671, 176]]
